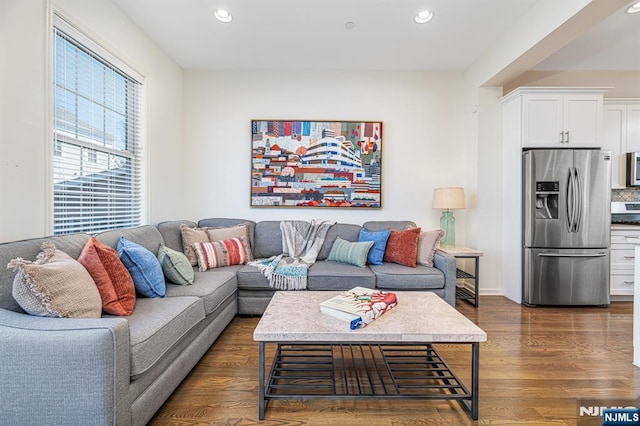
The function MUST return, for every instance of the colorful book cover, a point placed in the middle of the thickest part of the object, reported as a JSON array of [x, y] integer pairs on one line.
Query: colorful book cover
[[359, 306]]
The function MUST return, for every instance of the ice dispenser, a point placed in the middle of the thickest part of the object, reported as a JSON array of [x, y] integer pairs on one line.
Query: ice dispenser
[[547, 199]]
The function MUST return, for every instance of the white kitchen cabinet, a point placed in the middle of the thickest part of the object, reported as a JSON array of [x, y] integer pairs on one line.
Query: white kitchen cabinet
[[622, 255], [621, 130], [553, 119]]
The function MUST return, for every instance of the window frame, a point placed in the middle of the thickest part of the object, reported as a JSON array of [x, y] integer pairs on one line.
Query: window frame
[[56, 139]]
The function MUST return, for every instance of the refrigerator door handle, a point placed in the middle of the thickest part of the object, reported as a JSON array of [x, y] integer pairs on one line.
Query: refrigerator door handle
[[578, 196], [570, 200], [571, 255]]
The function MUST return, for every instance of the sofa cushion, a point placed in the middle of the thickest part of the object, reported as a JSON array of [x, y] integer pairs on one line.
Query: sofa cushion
[[112, 278], [213, 287], [345, 231], [144, 268], [175, 266], [147, 236], [402, 247], [216, 254], [379, 238], [157, 324], [267, 239], [55, 285], [328, 275], [379, 225], [427, 244], [351, 253], [392, 276], [251, 278], [171, 233], [190, 236], [72, 244]]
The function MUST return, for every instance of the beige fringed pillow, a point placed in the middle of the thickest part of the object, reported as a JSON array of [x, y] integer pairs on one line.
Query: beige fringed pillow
[[427, 244], [55, 285], [189, 237]]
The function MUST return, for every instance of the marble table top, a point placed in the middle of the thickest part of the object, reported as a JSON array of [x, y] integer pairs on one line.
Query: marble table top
[[419, 317]]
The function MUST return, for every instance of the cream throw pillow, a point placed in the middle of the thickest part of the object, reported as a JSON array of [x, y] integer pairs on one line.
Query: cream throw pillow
[[427, 244], [226, 233], [189, 237], [55, 285]]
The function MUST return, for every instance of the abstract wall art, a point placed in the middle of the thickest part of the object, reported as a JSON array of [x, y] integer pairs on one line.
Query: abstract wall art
[[297, 163]]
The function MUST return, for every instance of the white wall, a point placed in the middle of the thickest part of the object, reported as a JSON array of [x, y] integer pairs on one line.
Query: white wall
[[624, 84], [24, 109], [423, 136]]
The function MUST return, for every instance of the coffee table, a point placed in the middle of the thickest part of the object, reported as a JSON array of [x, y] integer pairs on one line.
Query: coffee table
[[318, 357]]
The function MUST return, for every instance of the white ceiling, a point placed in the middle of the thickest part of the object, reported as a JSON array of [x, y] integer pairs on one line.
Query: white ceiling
[[311, 34]]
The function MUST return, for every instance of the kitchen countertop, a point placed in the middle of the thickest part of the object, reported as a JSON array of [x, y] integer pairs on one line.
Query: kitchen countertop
[[624, 226]]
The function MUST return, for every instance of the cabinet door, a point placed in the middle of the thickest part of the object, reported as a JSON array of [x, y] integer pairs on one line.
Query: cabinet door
[[542, 121], [614, 129], [582, 118], [633, 128]]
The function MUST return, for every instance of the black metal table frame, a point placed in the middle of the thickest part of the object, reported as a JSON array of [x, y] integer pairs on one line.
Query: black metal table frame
[[463, 293], [330, 370]]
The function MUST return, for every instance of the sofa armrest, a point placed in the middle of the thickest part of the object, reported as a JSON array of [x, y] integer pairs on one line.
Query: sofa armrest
[[447, 264], [64, 370]]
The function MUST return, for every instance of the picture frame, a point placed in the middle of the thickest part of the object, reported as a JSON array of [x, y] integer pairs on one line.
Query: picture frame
[[316, 164]]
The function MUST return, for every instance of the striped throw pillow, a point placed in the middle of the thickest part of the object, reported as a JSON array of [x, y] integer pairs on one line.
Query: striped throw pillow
[[216, 254]]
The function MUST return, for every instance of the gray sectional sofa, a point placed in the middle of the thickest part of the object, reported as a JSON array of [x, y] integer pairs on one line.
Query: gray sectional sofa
[[120, 370]]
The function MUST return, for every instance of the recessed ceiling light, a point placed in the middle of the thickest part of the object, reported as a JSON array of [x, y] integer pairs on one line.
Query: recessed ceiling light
[[635, 8], [423, 17], [350, 25], [222, 15]]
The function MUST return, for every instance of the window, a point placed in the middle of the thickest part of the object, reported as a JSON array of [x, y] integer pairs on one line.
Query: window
[[96, 137]]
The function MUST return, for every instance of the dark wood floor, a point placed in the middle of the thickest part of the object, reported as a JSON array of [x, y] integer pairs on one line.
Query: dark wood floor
[[537, 367]]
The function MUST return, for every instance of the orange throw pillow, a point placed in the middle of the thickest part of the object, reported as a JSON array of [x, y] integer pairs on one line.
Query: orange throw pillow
[[402, 247], [114, 282]]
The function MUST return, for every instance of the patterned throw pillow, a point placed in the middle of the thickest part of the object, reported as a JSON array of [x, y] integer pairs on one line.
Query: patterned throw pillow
[[216, 254], [111, 277], [55, 285], [379, 238], [189, 237], [225, 233], [175, 265], [144, 268], [343, 251], [402, 247], [427, 244]]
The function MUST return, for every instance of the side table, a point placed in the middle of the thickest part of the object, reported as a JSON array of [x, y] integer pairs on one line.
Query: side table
[[462, 292]]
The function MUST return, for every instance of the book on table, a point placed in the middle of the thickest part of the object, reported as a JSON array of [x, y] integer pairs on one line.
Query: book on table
[[359, 306]]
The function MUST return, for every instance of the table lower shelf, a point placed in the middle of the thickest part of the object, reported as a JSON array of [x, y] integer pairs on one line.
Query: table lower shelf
[[352, 371]]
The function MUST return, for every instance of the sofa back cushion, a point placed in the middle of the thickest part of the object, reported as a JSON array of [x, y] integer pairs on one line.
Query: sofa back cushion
[[345, 231], [71, 244], [379, 225], [267, 239], [217, 222], [170, 231], [147, 236]]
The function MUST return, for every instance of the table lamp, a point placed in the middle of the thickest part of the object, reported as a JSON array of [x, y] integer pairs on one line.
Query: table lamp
[[448, 199]]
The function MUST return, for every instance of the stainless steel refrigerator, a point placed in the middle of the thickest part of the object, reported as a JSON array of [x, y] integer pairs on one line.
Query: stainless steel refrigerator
[[566, 226]]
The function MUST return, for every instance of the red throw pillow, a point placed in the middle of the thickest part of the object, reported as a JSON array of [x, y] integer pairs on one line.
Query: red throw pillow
[[402, 247], [114, 282]]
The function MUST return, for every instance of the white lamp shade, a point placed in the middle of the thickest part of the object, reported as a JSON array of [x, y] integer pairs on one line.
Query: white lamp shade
[[448, 198]]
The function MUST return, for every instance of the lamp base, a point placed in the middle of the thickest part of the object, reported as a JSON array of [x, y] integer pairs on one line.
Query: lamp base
[[448, 225]]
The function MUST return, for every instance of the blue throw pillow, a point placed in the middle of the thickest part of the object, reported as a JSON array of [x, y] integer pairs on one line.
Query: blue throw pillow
[[144, 268], [379, 239]]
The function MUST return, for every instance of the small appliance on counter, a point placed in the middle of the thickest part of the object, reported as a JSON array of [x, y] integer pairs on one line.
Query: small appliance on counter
[[625, 212]]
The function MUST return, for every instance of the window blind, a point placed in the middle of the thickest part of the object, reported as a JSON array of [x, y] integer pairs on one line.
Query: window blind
[[97, 141]]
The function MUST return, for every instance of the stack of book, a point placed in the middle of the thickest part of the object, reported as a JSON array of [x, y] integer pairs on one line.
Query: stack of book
[[359, 306]]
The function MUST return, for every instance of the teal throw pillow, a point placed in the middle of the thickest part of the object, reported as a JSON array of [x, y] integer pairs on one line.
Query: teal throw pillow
[[379, 238], [175, 265], [351, 253], [144, 268]]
